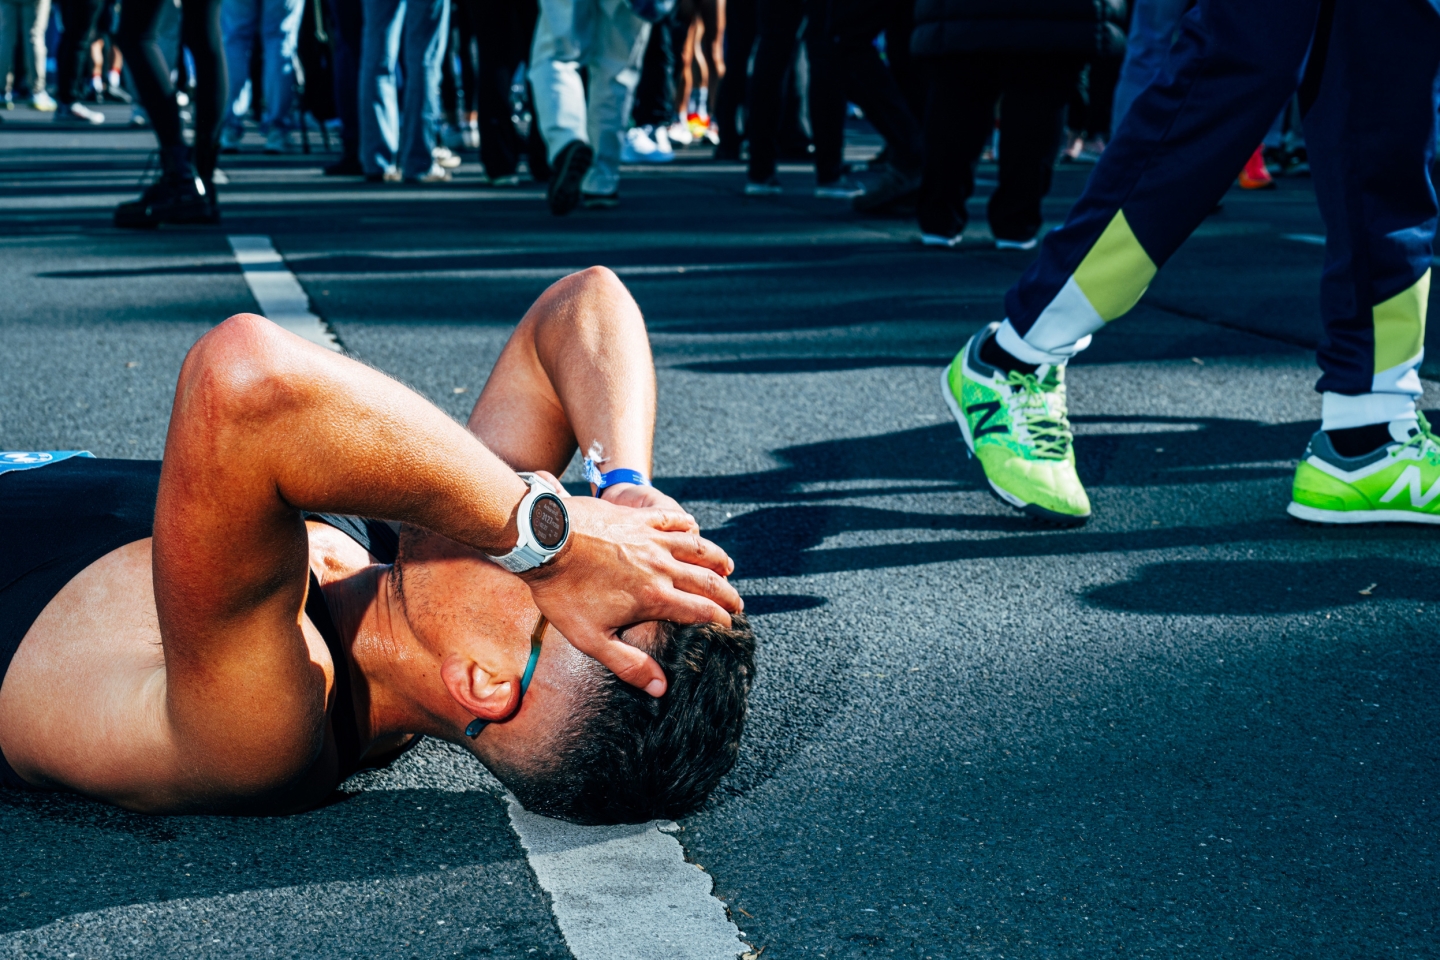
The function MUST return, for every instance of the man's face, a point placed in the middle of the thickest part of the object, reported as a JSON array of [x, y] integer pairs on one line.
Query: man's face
[[456, 601]]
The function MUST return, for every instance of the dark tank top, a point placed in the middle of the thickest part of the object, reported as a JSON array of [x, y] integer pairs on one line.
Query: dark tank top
[[59, 519]]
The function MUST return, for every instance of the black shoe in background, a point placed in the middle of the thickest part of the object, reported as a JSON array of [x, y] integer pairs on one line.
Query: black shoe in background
[[569, 169], [345, 167], [174, 198], [893, 188]]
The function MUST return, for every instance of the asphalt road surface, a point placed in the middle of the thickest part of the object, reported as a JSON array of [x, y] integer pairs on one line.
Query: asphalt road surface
[[1193, 727]]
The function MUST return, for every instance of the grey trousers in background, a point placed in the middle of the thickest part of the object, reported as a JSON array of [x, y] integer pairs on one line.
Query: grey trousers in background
[[27, 18]]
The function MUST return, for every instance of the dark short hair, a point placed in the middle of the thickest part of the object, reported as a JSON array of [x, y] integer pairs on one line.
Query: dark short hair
[[629, 757]]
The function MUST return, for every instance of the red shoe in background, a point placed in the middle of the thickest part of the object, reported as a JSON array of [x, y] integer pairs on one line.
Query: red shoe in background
[[1255, 176]]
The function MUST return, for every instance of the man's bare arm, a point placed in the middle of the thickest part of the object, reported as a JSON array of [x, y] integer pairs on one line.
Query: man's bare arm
[[266, 425], [578, 369]]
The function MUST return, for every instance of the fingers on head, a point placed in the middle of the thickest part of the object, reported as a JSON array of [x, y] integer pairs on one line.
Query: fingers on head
[[685, 607], [694, 549], [631, 664], [699, 582]]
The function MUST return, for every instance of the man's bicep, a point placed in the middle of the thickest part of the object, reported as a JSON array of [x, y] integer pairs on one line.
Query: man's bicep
[[227, 546]]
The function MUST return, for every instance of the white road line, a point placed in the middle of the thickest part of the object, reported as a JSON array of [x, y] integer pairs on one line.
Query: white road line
[[281, 298], [555, 273], [625, 893]]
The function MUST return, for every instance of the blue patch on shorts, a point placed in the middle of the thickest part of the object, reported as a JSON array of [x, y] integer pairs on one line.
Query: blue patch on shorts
[[30, 459]]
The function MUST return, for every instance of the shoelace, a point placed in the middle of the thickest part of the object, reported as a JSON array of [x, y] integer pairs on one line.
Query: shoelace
[[1050, 435], [1424, 440]]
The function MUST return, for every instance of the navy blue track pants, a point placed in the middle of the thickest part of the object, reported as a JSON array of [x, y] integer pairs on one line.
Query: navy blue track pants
[[1370, 90]]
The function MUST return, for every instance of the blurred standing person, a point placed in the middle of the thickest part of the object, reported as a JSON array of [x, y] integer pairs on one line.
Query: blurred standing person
[[741, 26], [1090, 111], [779, 24], [398, 142], [185, 190], [503, 31], [648, 141], [348, 19], [1028, 58], [78, 19], [277, 23], [22, 23], [874, 88], [608, 38], [702, 58], [105, 70]]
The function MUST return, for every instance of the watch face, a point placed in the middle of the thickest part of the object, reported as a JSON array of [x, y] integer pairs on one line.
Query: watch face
[[548, 521]]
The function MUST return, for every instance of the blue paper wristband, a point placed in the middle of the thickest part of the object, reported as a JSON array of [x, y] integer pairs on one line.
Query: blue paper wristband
[[609, 479]]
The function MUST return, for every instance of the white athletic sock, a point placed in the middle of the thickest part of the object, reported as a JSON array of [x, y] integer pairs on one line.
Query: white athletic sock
[[1015, 345], [1341, 411]]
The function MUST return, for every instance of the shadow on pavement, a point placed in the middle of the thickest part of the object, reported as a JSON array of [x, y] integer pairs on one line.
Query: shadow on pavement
[[136, 858], [1259, 587], [1199, 449]]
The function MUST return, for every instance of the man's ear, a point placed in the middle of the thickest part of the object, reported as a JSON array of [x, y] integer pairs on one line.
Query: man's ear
[[480, 693]]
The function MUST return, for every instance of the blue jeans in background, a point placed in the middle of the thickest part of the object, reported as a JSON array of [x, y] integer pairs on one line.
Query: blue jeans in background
[[278, 24], [388, 140]]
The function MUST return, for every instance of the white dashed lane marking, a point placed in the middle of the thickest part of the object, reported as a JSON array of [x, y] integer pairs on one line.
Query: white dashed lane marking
[[281, 298], [625, 893]]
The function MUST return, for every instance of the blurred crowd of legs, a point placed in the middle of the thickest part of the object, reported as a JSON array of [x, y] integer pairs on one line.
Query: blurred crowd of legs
[[568, 91]]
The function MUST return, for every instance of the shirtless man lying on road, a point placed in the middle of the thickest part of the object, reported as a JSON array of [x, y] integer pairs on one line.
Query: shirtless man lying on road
[[192, 635]]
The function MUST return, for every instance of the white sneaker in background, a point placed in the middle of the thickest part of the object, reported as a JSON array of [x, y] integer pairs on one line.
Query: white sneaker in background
[[636, 146], [679, 132], [436, 174], [445, 157], [470, 135], [661, 137], [43, 102], [78, 113]]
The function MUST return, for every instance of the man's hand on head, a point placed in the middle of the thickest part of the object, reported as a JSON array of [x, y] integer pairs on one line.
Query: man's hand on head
[[624, 566]]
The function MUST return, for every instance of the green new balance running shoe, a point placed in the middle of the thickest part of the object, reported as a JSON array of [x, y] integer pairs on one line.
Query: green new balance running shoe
[[1399, 483], [1016, 424]]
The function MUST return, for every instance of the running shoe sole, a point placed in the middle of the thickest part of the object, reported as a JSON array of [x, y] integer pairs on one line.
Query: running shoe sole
[[1029, 509], [572, 165], [1316, 515]]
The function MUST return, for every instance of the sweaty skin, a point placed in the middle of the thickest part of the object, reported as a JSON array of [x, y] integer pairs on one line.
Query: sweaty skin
[[180, 672]]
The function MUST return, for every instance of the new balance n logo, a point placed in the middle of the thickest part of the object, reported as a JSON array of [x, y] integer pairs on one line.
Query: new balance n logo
[[1410, 480], [983, 426]]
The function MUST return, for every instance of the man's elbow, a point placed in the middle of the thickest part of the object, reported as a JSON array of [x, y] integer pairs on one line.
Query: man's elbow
[[243, 369]]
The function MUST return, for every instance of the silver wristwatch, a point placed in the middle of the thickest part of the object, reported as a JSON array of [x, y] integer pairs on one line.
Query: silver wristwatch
[[544, 526]]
